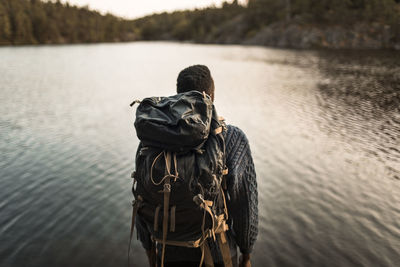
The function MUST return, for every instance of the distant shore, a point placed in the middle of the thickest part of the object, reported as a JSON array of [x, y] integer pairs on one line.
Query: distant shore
[[297, 24], [305, 36], [280, 35]]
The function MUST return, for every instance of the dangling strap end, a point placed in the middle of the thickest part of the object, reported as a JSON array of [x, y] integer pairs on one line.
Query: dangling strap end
[[134, 102], [172, 221], [156, 215], [136, 205]]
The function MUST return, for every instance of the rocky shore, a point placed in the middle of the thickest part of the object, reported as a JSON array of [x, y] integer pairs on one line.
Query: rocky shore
[[304, 36], [360, 36]]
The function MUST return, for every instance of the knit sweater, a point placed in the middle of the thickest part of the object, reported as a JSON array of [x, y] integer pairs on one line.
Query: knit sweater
[[242, 202]]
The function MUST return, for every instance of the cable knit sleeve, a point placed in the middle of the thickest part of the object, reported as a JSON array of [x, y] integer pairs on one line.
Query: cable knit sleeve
[[242, 189]]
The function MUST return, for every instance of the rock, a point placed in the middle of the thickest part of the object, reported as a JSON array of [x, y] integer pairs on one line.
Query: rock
[[296, 35]]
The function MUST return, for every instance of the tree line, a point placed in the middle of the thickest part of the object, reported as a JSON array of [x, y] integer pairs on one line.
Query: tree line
[[337, 12], [38, 22], [197, 25]]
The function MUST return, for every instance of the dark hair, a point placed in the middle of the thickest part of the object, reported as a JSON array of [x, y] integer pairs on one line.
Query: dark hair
[[198, 78]]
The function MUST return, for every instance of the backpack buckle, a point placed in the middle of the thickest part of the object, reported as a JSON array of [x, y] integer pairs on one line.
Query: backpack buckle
[[138, 201], [167, 188]]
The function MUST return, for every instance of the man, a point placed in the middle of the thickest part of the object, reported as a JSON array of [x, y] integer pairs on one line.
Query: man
[[241, 193]]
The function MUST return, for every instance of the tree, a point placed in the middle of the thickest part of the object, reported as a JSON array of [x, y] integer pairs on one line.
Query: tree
[[21, 23], [5, 26]]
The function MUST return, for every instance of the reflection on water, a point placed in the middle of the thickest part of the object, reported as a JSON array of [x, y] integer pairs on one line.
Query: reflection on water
[[324, 132], [360, 100], [367, 77]]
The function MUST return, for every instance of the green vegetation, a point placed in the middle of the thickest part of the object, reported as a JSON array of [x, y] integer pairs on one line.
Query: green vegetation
[[34, 21], [203, 25], [345, 12], [195, 25], [38, 22]]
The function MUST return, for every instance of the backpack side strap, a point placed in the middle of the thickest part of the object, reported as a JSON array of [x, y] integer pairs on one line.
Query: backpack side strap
[[208, 260], [203, 244], [136, 205], [225, 250], [167, 193], [156, 213], [172, 220]]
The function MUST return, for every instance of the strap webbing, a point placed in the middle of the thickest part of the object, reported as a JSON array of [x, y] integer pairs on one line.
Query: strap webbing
[[209, 211], [172, 225], [189, 244], [135, 207], [208, 260], [225, 206], [153, 253], [225, 251], [167, 192], [156, 215]]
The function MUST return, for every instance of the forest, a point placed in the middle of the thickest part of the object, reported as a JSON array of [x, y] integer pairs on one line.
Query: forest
[[197, 24], [52, 22]]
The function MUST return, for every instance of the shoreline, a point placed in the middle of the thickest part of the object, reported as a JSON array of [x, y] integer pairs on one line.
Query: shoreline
[[362, 36], [245, 44]]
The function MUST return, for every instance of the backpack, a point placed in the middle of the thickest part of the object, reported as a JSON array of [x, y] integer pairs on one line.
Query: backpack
[[180, 173]]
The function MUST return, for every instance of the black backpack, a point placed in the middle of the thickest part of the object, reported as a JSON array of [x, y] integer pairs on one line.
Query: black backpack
[[180, 173]]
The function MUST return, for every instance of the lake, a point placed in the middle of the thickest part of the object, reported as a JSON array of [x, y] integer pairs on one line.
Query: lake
[[324, 130]]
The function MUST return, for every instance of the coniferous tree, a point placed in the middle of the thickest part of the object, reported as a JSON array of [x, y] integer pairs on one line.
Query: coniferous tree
[[36, 21], [5, 26]]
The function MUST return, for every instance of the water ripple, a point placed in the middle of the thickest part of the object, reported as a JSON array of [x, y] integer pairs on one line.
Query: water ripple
[[324, 132]]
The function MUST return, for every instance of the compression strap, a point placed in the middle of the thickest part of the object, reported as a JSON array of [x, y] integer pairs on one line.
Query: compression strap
[[135, 207]]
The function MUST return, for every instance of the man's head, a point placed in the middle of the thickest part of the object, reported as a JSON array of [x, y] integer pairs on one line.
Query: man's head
[[198, 78]]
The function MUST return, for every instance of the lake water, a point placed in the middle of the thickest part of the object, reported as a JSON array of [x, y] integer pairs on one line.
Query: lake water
[[324, 129]]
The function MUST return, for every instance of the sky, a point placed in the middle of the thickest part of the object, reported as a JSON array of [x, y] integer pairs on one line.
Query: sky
[[139, 8]]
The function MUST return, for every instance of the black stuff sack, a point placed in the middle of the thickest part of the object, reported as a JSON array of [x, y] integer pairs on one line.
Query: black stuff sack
[[178, 123]]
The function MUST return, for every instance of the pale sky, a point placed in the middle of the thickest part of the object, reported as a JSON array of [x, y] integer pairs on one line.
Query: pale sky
[[138, 8]]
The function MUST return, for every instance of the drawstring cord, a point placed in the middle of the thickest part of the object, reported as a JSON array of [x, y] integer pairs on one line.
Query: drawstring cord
[[167, 156]]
